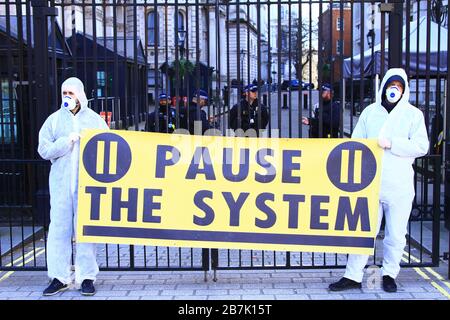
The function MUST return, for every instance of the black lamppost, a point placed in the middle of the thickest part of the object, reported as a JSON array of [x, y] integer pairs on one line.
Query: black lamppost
[[273, 80], [370, 38], [371, 42], [242, 54], [181, 39]]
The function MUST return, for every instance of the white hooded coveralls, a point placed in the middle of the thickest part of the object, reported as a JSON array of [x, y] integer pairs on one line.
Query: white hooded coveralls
[[55, 145], [404, 126]]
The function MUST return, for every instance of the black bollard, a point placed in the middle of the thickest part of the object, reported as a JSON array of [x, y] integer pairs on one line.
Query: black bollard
[[285, 104]]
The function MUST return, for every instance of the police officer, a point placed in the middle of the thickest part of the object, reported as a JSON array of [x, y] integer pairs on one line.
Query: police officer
[[165, 115], [249, 111], [330, 116], [194, 118]]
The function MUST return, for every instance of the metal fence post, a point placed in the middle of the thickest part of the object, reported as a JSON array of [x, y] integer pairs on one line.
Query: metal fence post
[[41, 95], [436, 210], [395, 33], [446, 153], [305, 101], [214, 262], [40, 13], [205, 262]]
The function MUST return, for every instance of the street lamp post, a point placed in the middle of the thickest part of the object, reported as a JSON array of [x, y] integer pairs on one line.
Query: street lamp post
[[242, 54], [371, 42], [181, 39], [272, 80], [370, 38]]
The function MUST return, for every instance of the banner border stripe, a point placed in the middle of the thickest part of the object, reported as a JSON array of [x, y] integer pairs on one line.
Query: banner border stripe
[[232, 237]]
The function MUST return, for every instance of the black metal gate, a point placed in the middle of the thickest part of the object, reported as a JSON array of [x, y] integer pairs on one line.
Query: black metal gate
[[128, 52]]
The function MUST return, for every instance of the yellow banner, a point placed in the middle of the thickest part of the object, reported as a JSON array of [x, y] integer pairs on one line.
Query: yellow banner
[[317, 195]]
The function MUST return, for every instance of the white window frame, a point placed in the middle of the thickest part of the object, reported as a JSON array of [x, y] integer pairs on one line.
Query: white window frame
[[339, 43], [338, 23]]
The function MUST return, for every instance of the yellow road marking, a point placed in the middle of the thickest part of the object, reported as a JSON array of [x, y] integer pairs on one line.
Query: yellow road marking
[[6, 275], [434, 273], [441, 290], [38, 253], [422, 274], [24, 257], [426, 277], [438, 276], [412, 257]]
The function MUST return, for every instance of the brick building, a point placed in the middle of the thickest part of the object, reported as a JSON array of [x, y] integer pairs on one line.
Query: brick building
[[335, 41]]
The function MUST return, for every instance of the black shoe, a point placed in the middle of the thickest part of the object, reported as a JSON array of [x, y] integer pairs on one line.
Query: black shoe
[[389, 284], [344, 284], [87, 287], [55, 287]]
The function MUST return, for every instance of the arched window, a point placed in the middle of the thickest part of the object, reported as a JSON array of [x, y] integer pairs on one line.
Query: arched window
[[152, 27], [181, 32], [180, 21]]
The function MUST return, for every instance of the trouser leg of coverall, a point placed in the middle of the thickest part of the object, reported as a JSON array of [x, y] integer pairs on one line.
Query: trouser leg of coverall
[[356, 262], [59, 242], [396, 213], [396, 216], [85, 258]]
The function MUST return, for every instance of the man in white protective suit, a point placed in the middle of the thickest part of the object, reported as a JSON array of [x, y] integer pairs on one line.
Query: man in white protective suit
[[59, 142], [401, 132]]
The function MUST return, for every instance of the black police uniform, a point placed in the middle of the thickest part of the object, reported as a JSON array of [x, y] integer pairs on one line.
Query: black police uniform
[[331, 119], [189, 115], [166, 117], [249, 116]]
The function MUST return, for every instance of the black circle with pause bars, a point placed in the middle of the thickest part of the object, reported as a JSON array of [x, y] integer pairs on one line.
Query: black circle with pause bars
[[351, 166], [107, 157]]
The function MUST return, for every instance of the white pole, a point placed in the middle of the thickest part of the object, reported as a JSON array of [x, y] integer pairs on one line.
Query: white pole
[[343, 91], [444, 129], [343, 105], [377, 85]]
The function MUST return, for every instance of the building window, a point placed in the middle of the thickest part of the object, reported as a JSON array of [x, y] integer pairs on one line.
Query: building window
[[339, 47], [8, 116], [180, 21], [152, 26], [340, 24], [206, 24], [101, 82], [151, 78]]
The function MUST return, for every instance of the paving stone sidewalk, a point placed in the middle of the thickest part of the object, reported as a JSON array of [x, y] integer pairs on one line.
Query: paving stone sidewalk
[[231, 285]]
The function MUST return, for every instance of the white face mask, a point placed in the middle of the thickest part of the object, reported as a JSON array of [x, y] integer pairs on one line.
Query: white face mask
[[68, 102], [393, 94]]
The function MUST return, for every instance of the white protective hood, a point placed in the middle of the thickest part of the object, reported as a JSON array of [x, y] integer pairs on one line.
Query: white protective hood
[[76, 86]]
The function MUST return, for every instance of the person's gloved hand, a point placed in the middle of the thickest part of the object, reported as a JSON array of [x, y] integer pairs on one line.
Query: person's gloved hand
[[384, 143], [74, 137]]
